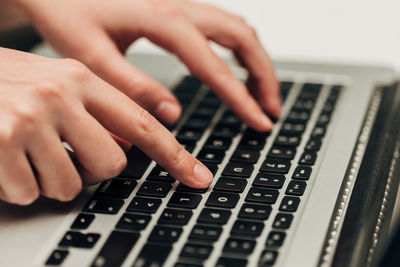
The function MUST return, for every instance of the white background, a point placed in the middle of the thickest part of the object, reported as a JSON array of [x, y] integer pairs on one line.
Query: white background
[[349, 31]]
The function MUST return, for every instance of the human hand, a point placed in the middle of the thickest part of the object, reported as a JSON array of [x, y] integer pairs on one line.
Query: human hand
[[97, 33], [44, 102]]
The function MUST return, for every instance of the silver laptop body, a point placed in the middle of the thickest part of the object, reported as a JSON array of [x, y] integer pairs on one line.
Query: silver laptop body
[[30, 235]]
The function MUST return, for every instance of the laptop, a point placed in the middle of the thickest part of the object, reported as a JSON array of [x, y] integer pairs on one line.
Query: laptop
[[318, 190]]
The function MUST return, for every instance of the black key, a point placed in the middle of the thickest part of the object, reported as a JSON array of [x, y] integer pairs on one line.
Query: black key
[[175, 217], [254, 212], [275, 239], [285, 86], [57, 257], [318, 132], [182, 264], [234, 185], [184, 200], [311, 90], [207, 234], [328, 107], [262, 195], [268, 258], [83, 221], [189, 145], [210, 102], [184, 188], [211, 155], [104, 205], [289, 204], [293, 128], [302, 173], [215, 142], [250, 141], [313, 144], [184, 99], [116, 248], [214, 216], [308, 158], [133, 222], [275, 165], [189, 134], [165, 234], [282, 221], [298, 116], [282, 152], [144, 204], [239, 246], [230, 119], [228, 262], [238, 169], [196, 251], [247, 229], [118, 188], [79, 240], [137, 164], [296, 188], [154, 189], [211, 94], [189, 84], [269, 180], [212, 167], [152, 255], [160, 175], [204, 112], [323, 119], [222, 200], [196, 123], [245, 156], [287, 140], [306, 104], [225, 131]]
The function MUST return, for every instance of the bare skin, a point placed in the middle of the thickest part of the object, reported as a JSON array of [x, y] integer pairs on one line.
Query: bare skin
[[65, 92], [46, 101]]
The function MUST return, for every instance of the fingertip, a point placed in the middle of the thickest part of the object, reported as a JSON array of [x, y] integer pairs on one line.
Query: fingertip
[[203, 176], [261, 122], [168, 111]]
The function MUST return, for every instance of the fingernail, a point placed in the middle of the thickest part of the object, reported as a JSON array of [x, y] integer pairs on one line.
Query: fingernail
[[202, 174], [264, 121], [168, 111]]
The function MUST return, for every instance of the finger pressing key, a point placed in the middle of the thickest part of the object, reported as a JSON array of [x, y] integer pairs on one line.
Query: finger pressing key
[[183, 38], [126, 119]]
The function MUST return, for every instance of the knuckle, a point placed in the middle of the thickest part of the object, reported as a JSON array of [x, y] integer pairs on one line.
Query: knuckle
[[76, 69], [115, 166], [169, 9], [146, 122], [48, 91], [67, 193], [26, 197], [247, 32], [239, 19], [180, 158], [27, 115], [7, 135]]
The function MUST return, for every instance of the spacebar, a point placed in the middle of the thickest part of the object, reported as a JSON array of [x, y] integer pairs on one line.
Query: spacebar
[[116, 248]]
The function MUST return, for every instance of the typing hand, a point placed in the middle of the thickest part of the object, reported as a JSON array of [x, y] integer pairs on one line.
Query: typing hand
[[46, 101], [98, 32]]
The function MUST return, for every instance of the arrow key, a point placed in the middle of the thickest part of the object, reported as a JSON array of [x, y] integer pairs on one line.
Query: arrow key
[[144, 204]]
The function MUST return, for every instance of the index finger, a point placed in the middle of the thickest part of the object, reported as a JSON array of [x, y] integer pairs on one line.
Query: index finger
[[129, 121]]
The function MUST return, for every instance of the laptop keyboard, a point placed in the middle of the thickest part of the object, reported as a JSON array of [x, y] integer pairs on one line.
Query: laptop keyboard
[[248, 187]]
